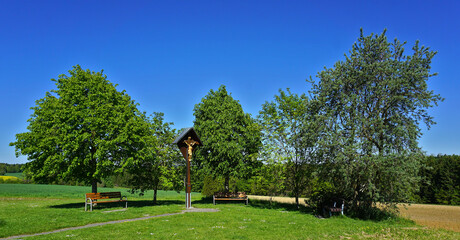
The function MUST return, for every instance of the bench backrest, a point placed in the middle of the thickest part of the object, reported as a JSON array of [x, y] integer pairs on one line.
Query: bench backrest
[[230, 195], [337, 203], [103, 195]]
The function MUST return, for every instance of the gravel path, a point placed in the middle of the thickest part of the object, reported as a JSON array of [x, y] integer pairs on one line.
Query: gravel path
[[113, 222]]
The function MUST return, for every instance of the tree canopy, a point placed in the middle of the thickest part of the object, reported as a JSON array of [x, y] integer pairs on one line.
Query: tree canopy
[[231, 138], [371, 105], [160, 165], [85, 129], [282, 123]]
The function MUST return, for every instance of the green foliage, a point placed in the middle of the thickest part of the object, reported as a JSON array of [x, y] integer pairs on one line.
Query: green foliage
[[321, 193], [282, 124], [159, 167], [231, 138], [10, 168], [270, 180], [370, 107], [441, 183], [84, 130], [211, 186]]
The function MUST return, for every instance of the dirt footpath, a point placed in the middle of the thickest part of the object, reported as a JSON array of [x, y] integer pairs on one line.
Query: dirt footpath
[[435, 216]]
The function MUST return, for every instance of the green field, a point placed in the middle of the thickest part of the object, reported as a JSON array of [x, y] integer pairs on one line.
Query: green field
[[18, 175], [28, 208]]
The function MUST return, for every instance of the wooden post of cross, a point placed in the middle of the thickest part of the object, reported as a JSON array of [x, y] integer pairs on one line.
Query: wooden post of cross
[[187, 141]]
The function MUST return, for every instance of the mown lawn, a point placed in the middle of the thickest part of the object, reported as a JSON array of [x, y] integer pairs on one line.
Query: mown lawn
[[32, 208], [37, 211]]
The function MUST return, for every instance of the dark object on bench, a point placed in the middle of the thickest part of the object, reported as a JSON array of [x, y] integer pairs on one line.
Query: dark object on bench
[[336, 206], [239, 196], [92, 198]]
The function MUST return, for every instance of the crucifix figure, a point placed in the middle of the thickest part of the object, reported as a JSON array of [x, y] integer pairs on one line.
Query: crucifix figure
[[190, 142]]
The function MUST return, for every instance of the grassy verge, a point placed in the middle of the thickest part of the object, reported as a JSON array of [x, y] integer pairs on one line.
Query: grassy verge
[[38, 208], [30, 208], [237, 221]]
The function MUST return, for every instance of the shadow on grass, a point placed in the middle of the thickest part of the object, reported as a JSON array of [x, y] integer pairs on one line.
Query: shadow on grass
[[370, 214], [204, 200], [279, 206], [375, 214], [133, 203], [259, 204]]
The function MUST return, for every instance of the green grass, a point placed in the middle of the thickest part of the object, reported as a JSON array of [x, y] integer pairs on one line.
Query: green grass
[[37, 208], [18, 175], [236, 221], [75, 192], [32, 208]]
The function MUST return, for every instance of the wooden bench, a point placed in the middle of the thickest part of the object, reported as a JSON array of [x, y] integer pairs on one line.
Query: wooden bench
[[92, 198], [336, 206], [239, 196]]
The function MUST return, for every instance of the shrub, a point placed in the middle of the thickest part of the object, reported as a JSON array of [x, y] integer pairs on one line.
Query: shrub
[[211, 186], [321, 194]]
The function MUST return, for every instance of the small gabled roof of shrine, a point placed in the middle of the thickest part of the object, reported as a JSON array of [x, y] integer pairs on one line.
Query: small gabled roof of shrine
[[188, 132]]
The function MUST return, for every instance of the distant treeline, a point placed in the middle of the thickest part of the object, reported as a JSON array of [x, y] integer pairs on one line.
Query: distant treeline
[[10, 168], [440, 180]]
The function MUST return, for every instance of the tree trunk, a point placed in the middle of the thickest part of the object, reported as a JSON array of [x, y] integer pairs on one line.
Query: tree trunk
[[94, 186], [297, 201], [155, 196], [227, 187], [94, 166], [155, 190]]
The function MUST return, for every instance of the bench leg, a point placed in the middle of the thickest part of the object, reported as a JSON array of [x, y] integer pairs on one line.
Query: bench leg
[[214, 200]]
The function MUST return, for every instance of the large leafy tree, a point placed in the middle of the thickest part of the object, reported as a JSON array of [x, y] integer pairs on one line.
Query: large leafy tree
[[160, 164], [84, 130], [283, 133], [231, 138], [371, 105]]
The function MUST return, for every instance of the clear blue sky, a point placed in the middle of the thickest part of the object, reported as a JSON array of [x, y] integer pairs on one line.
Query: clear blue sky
[[167, 55]]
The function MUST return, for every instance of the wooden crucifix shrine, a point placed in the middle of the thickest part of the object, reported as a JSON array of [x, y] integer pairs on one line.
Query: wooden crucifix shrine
[[187, 141]]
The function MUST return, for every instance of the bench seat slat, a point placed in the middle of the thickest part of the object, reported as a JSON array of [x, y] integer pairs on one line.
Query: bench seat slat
[[230, 198], [111, 201], [336, 206], [240, 196], [91, 198]]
